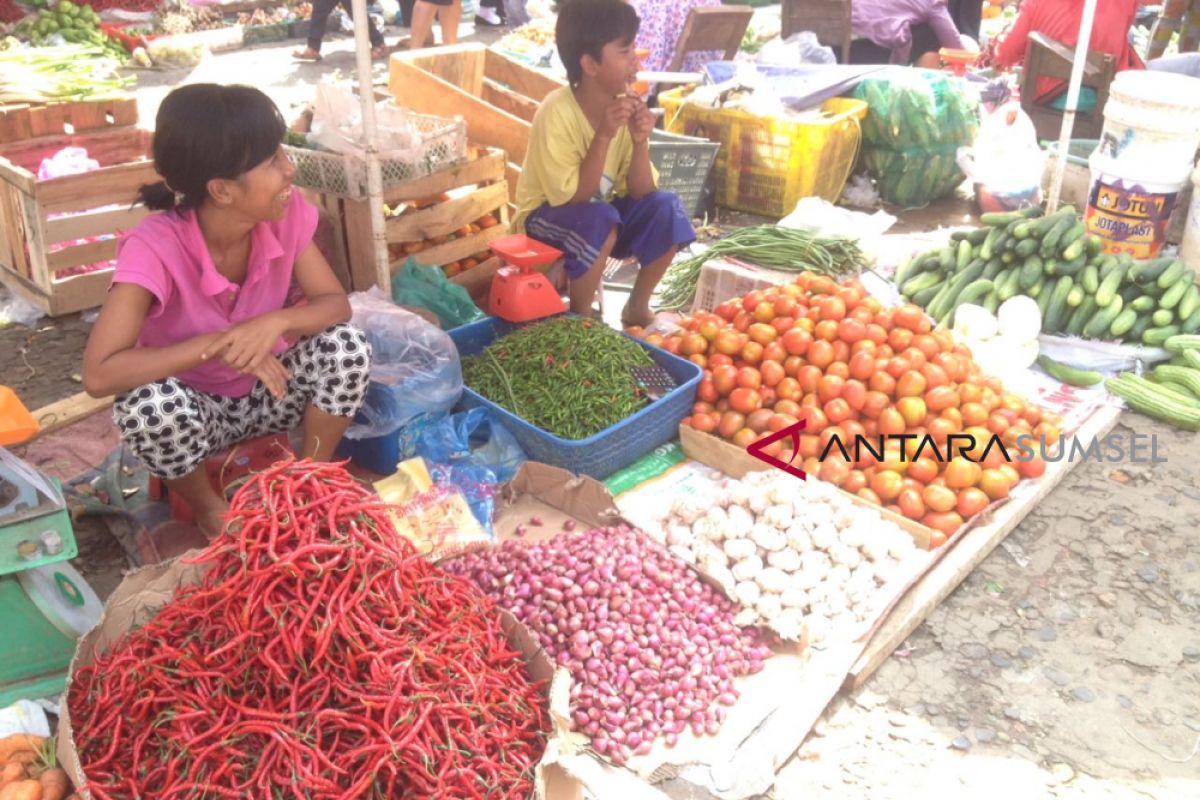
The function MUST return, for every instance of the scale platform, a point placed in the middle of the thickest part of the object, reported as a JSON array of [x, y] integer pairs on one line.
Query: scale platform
[[45, 605]]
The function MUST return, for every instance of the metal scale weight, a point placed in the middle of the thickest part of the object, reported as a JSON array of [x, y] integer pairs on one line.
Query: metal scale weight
[[45, 605]]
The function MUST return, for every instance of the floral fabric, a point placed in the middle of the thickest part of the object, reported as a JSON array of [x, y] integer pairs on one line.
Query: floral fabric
[[662, 25]]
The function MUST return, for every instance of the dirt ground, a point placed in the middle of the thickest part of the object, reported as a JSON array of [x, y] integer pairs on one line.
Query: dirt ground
[[1067, 665]]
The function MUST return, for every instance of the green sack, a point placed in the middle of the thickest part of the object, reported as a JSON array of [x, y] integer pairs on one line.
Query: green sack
[[913, 177], [428, 287]]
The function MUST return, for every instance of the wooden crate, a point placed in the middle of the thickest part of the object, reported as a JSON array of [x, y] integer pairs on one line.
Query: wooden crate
[[477, 187], [36, 215], [496, 96], [22, 121]]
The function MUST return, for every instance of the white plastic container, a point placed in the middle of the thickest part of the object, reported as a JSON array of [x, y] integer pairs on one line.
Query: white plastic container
[[1190, 250], [1130, 203], [1152, 118]]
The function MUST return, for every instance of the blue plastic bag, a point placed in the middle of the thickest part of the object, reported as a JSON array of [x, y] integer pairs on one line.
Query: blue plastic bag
[[476, 454]]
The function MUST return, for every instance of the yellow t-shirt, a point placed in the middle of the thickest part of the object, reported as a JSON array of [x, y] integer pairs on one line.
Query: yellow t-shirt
[[558, 143]]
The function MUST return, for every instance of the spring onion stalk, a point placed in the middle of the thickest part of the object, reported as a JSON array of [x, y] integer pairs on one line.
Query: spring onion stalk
[[785, 249], [59, 74]]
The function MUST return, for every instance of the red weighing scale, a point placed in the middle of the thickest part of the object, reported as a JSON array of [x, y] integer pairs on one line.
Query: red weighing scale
[[520, 293]]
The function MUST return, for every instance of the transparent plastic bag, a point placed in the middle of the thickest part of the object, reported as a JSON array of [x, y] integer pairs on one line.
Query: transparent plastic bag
[[914, 108], [799, 48], [474, 453], [916, 176], [415, 370], [1006, 163]]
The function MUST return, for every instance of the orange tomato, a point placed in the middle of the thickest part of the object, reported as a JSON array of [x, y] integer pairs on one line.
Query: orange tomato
[[796, 342], [759, 420], [774, 352], [911, 384], [923, 469], [911, 408], [971, 501], [832, 308], [899, 339], [724, 378], [752, 352], [886, 484], [946, 523], [939, 498], [809, 378], [778, 422], [962, 473], [855, 481], [851, 330], [890, 422], [883, 383], [763, 334], [745, 400], [935, 376], [829, 387], [1033, 468], [772, 373], [834, 470], [974, 414], [815, 419], [994, 483], [837, 410], [869, 496], [838, 368], [874, 404], [705, 423], [820, 354], [730, 423], [909, 316], [826, 329], [749, 378], [911, 504], [707, 392], [940, 430], [997, 423], [744, 438], [855, 393], [788, 389], [897, 366], [940, 397], [862, 366]]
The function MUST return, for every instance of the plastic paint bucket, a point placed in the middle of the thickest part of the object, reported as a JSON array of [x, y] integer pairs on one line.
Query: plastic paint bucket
[[1128, 210]]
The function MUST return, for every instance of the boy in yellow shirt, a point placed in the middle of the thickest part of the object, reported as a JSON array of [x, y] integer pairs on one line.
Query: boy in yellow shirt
[[587, 187]]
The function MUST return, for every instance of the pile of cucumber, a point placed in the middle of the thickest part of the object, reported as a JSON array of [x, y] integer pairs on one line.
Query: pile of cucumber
[[1080, 290], [1172, 391]]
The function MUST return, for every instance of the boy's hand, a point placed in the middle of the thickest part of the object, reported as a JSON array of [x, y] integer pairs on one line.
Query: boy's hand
[[641, 123], [616, 116]]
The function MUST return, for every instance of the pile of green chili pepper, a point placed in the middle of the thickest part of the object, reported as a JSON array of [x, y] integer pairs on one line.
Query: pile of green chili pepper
[[569, 376], [785, 249]]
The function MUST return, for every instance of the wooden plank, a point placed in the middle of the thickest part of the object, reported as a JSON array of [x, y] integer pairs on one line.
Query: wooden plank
[[93, 223], [79, 292], [506, 99], [26, 288], [81, 255], [12, 232], [17, 176], [429, 94], [35, 239], [68, 411], [458, 249], [106, 186], [488, 167], [360, 244], [512, 174], [447, 217], [479, 279], [461, 65], [521, 79], [958, 560]]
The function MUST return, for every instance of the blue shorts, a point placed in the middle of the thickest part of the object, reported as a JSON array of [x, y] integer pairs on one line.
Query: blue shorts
[[646, 229]]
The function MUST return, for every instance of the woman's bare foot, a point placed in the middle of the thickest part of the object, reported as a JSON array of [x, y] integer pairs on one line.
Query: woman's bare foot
[[211, 521], [636, 317]]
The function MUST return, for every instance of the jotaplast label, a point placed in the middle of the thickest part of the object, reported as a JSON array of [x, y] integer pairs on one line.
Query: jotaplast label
[[1130, 218]]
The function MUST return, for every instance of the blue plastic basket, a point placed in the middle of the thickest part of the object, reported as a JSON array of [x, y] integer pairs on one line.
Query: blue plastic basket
[[607, 451]]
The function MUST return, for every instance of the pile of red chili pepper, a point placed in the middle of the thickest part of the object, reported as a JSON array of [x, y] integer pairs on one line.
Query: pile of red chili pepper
[[319, 656]]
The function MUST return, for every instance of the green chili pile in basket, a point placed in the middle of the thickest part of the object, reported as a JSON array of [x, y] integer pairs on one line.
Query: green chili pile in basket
[[786, 249], [570, 376]]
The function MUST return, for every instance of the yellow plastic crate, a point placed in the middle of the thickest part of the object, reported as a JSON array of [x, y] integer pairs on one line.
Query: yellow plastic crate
[[766, 164]]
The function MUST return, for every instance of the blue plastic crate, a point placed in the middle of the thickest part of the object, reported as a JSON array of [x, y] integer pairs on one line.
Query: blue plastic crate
[[607, 451], [381, 454]]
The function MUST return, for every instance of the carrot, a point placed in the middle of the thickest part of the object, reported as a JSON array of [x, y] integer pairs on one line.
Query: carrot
[[22, 790], [55, 784], [13, 771], [18, 742]]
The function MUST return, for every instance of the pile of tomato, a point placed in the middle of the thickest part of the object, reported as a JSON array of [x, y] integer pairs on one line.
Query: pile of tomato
[[832, 355]]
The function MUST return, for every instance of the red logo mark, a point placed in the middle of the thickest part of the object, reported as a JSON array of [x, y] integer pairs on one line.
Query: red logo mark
[[756, 449]]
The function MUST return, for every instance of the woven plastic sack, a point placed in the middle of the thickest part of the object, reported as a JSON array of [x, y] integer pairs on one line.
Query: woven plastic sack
[[915, 176], [909, 108], [428, 287]]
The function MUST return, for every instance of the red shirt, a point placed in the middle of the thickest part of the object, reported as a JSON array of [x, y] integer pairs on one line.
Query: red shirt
[[1059, 20]]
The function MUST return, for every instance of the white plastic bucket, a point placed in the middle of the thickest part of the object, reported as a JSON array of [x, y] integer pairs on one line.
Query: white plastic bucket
[[1190, 249], [1129, 211], [1152, 118]]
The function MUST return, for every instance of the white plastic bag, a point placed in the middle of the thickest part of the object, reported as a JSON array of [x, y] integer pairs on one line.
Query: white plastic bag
[[337, 125], [1005, 162], [68, 161], [415, 369], [799, 48]]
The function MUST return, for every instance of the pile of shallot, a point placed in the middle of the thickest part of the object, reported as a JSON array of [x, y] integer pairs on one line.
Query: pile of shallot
[[652, 650]]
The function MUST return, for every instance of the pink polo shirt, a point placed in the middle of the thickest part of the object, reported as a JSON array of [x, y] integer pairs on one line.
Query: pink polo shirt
[[167, 256]]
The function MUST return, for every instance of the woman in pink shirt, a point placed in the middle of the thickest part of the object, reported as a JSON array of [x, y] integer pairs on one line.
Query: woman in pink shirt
[[195, 337]]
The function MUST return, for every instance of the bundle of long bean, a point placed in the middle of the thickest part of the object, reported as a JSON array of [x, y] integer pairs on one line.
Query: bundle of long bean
[[569, 376], [770, 246], [320, 656]]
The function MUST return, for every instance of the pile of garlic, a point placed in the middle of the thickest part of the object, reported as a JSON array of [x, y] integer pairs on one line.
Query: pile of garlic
[[794, 554]]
